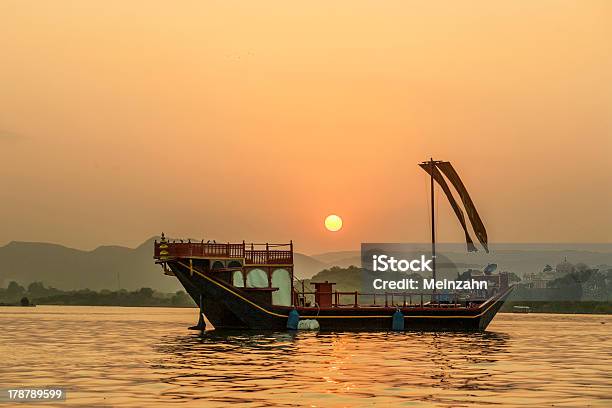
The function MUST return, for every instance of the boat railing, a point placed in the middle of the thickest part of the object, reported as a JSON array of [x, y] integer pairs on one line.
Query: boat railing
[[373, 299], [268, 257], [252, 253]]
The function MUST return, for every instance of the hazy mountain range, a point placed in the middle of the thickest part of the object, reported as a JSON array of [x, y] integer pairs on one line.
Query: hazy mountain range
[[113, 267]]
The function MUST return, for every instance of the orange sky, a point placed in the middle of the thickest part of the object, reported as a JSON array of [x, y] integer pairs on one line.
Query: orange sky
[[254, 120]]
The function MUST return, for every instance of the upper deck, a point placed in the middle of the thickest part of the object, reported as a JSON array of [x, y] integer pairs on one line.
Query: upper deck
[[248, 254]]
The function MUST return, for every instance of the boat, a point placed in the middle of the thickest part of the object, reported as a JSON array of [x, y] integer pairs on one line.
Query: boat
[[251, 286], [24, 302], [521, 309]]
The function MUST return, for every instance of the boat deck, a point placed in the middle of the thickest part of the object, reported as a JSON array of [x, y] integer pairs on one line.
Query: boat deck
[[246, 253]]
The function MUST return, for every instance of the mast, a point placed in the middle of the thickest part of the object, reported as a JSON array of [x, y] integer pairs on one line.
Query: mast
[[433, 226], [438, 170]]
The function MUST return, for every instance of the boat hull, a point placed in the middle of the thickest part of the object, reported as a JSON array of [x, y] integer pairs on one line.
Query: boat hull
[[228, 307]]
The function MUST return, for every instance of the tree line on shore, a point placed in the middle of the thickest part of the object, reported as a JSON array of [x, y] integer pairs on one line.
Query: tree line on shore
[[569, 288], [38, 293]]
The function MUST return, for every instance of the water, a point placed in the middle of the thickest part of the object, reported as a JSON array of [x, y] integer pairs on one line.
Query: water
[[134, 357]]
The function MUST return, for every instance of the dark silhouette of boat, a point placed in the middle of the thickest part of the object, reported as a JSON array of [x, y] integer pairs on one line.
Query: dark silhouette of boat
[[252, 286], [24, 302]]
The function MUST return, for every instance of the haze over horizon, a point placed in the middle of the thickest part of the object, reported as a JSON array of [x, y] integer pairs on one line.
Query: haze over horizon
[[234, 121]]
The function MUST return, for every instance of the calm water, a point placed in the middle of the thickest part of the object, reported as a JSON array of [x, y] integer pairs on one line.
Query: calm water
[[134, 357]]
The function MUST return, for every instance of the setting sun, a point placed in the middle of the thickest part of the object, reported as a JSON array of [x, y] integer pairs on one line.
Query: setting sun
[[333, 222]]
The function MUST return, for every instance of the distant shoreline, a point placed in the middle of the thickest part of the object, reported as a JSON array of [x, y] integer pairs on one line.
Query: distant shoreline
[[586, 308], [78, 305], [561, 307], [37, 294]]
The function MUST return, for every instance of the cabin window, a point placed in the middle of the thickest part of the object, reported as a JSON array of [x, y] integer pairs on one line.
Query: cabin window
[[238, 279], [281, 279], [218, 265], [257, 278]]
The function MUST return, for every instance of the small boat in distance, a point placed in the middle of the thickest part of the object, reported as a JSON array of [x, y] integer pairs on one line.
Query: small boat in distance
[[24, 302], [252, 286]]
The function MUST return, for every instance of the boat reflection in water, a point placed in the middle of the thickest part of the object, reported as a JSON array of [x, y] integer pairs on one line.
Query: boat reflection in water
[[340, 368]]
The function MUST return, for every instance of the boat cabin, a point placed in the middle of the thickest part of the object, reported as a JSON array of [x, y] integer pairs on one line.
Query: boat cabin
[[263, 271]]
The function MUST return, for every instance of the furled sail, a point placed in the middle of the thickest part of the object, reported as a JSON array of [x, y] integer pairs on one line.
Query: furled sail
[[477, 225], [451, 199]]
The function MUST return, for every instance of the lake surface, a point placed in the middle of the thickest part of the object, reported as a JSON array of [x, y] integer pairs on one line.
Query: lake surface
[[135, 357]]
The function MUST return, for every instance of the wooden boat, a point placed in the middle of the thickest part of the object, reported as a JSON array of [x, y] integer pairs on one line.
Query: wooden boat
[[252, 286]]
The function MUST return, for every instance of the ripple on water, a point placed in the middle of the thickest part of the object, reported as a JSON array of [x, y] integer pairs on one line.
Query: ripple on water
[[145, 357]]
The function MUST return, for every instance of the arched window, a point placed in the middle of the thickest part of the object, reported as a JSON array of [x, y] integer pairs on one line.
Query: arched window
[[217, 265], [281, 279], [237, 279], [234, 264], [257, 278]]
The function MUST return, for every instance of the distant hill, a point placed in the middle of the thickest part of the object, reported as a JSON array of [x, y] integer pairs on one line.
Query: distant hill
[[106, 267], [305, 266], [338, 257]]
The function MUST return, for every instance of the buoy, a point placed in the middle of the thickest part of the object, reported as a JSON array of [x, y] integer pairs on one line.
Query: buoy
[[293, 320], [398, 321], [308, 324]]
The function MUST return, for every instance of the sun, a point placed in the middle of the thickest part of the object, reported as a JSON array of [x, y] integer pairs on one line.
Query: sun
[[333, 222]]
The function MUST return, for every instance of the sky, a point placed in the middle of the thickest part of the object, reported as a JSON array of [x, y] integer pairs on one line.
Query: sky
[[234, 120]]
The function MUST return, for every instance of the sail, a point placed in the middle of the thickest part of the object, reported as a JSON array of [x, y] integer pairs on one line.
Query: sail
[[477, 225], [451, 199]]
